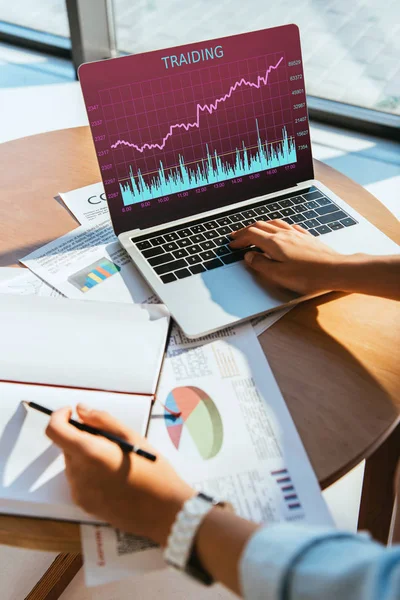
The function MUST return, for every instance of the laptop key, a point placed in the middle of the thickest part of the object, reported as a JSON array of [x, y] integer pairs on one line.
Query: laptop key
[[261, 210], [323, 229], [311, 223], [172, 266], [273, 206], [235, 218], [299, 208], [324, 210], [224, 230], [211, 225], [348, 222], [143, 245], [170, 246], [162, 258], [195, 239], [197, 269], [247, 214], [286, 212], [157, 241], [182, 273], [248, 222], [209, 235], [297, 199], [236, 226], [288, 220], [197, 228], [312, 195], [184, 233], [323, 201], [180, 253], [184, 242], [223, 221], [207, 245], [275, 215], [222, 250], [229, 259], [213, 264], [285, 203], [313, 232], [168, 278], [208, 255], [311, 204], [153, 251], [221, 241], [335, 225], [324, 219], [310, 214], [297, 218], [193, 260], [194, 249], [170, 237]]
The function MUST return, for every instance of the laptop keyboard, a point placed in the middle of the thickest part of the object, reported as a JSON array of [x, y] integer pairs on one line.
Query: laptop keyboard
[[185, 250]]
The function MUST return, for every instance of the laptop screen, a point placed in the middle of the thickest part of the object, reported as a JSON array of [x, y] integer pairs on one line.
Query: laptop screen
[[197, 127]]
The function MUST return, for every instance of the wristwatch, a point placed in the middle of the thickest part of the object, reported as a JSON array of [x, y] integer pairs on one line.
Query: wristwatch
[[180, 551]]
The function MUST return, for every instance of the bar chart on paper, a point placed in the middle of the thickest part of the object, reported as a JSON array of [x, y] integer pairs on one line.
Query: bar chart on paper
[[93, 274], [226, 117], [198, 430]]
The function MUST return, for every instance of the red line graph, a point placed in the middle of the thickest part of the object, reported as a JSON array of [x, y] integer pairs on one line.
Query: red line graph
[[210, 108]]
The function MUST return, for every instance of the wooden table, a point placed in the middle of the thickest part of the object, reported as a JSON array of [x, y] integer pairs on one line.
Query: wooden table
[[336, 358]]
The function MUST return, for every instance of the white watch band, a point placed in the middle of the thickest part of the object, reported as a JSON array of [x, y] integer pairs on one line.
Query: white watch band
[[184, 529]]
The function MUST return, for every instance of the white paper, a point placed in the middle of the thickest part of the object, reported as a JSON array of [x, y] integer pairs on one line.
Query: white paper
[[261, 324], [241, 444], [26, 283], [7, 273], [72, 263], [111, 555], [88, 204], [33, 481], [243, 448], [92, 345]]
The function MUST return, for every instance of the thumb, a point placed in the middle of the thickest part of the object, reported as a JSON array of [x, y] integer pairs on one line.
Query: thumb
[[268, 268], [103, 420]]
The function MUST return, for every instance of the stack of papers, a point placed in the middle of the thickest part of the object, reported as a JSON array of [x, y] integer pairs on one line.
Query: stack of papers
[[235, 437]]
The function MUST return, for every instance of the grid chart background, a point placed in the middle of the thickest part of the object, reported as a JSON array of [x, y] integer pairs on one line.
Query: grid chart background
[[142, 112]]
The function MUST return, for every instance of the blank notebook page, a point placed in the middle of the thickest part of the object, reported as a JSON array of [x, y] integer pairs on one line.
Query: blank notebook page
[[32, 477]]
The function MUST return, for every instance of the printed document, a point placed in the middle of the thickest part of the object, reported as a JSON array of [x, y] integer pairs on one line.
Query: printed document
[[88, 204], [89, 263], [234, 439], [33, 481]]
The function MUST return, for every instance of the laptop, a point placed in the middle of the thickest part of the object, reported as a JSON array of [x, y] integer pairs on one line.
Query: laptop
[[200, 140]]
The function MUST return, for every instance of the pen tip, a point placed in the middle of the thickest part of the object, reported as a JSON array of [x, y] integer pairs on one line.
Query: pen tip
[[25, 403]]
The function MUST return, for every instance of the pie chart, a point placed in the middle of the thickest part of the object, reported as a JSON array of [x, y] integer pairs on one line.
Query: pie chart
[[199, 428]]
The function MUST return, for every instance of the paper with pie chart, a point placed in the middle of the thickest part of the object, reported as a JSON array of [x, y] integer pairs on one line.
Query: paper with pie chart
[[198, 429]]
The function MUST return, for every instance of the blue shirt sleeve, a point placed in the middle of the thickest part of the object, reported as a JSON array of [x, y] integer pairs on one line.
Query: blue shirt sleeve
[[294, 562]]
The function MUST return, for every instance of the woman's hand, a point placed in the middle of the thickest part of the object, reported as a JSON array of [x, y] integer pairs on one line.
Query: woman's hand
[[292, 258], [125, 490]]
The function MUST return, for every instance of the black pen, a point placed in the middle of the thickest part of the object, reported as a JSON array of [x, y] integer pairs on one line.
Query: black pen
[[125, 446]]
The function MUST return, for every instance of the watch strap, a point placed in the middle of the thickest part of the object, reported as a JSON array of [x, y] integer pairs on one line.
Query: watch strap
[[180, 552]]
